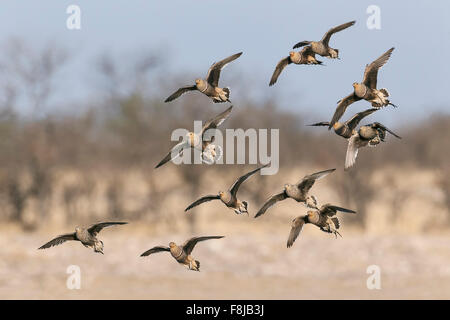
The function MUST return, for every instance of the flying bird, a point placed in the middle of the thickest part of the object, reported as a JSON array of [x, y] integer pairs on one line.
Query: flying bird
[[87, 236], [210, 86], [321, 47], [366, 90], [200, 141], [305, 56], [324, 218], [229, 198], [299, 192], [368, 135], [347, 129], [182, 253]]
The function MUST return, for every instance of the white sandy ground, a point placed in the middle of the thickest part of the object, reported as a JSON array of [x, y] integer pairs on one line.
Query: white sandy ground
[[243, 265]]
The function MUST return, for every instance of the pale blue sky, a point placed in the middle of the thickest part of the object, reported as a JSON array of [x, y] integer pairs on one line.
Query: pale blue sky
[[196, 33]]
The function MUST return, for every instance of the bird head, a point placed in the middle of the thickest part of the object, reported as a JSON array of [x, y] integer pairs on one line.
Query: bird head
[[337, 125], [308, 214], [77, 229], [172, 245], [355, 84], [291, 54], [201, 84]]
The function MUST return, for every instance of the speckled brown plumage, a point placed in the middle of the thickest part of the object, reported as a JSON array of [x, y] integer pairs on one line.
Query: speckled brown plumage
[[182, 254], [366, 89], [324, 218], [305, 56], [321, 47], [87, 236], [229, 198], [368, 135], [299, 192], [210, 85]]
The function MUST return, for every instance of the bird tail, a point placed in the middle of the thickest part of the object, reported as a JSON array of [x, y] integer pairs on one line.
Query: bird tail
[[227, 92], [336, 222], [337, 53], [197, 265], [384, 92]]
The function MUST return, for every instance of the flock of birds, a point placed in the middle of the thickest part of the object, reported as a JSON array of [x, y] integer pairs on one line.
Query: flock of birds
[[323, 217]]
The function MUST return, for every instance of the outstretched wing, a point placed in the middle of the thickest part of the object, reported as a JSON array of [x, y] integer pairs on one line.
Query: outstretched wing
[[342, 106], [96, 228], [319, 124], [330, 210], [354, 143], [155, 250], [308, 181], [189, 245], [270, 202], [201, 200], [301, 44], [382, 127], [354, 121], [179, 92], [58, 240], [371, 71], [296, 227], [214, 71], [216, 121], [280, 66], [235, 187], [173, 153], [327, 36]]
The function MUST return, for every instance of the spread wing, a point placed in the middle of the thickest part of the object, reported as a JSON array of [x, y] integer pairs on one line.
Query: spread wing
[[354, 121], [280, 66], [382, 127], [179, 92], [270, 202], [330, 210], [96, 228], [235, 187], [216, 121], [342, 106], [155, 250], [296, 227], [301, 44], [354, 143], [371, 71], [174, 153], [189, 245], [214, 71], [327, 36], [58, 240], [308, 181], [201, 200]]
